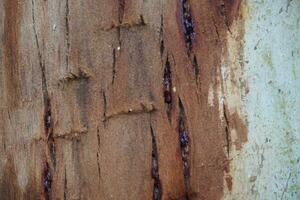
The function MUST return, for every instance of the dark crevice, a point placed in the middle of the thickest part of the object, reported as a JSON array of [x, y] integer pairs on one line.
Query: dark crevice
[[46, 98], [121, 10], [48, 122], [98, 156], [167, 82], [161, 35], [47, 181], [195, 68], [184, 145], [104, 107], [188, 25], [65, 185], [224, 13], [67, 34], [227, 131], [51, 147], [157, 188], [114, 66], [216, 29]]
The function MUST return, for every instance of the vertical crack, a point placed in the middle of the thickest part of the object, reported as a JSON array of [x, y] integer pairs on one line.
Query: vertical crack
[[167, 83], [227, 134], [184, 145], [48, 124], [67, 34], [104, 107], [195, 68], [157, 189], [114, 66], [47, 181], [121, 10], [161, 35], [188, 25], [65, 185], [98, 156]]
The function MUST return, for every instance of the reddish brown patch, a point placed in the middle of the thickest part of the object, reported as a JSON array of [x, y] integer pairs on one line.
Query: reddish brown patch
[[211, 22], [237, 123], [11, 50], [229, 182]]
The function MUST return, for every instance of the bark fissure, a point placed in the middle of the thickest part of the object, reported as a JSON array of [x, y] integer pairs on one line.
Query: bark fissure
[[65, 185], [157, 188], [227, 131], [47, 181], [114, 66], [188, 25], [121, 10], [167, 88], [67, 34], [161, 35], [195, 68], [98, 154], [184, 145]]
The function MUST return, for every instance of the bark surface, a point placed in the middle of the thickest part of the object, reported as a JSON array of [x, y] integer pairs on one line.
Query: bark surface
[[115, 99]]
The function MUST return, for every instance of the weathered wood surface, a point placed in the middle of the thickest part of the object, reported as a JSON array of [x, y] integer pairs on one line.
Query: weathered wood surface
[[160, 99]]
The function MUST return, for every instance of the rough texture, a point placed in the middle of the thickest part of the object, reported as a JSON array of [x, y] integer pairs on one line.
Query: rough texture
[[122, 99]]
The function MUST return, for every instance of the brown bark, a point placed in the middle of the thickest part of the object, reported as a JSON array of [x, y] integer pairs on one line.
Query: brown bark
[[109, 99]]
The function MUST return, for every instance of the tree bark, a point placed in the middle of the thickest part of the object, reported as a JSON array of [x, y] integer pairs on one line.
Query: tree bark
[[123, 99]]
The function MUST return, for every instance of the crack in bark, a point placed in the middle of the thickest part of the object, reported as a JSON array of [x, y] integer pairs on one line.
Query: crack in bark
[[161, 35], [65, 186], [67, 34], [157, 188], [47, 181], [195, 68], [114, 66], [98, 162], [184, 145], [167, 88], [188, 25], [121, 10], [227, 131]]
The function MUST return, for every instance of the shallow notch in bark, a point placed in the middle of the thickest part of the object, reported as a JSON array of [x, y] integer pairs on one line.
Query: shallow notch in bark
[[184, 145], [227, 133], [157, 188], [47, 181], [195, 68], [188, 24], [167, 83]]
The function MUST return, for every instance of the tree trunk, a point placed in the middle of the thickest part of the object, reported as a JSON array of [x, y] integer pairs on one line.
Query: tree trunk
[[161, 99]]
